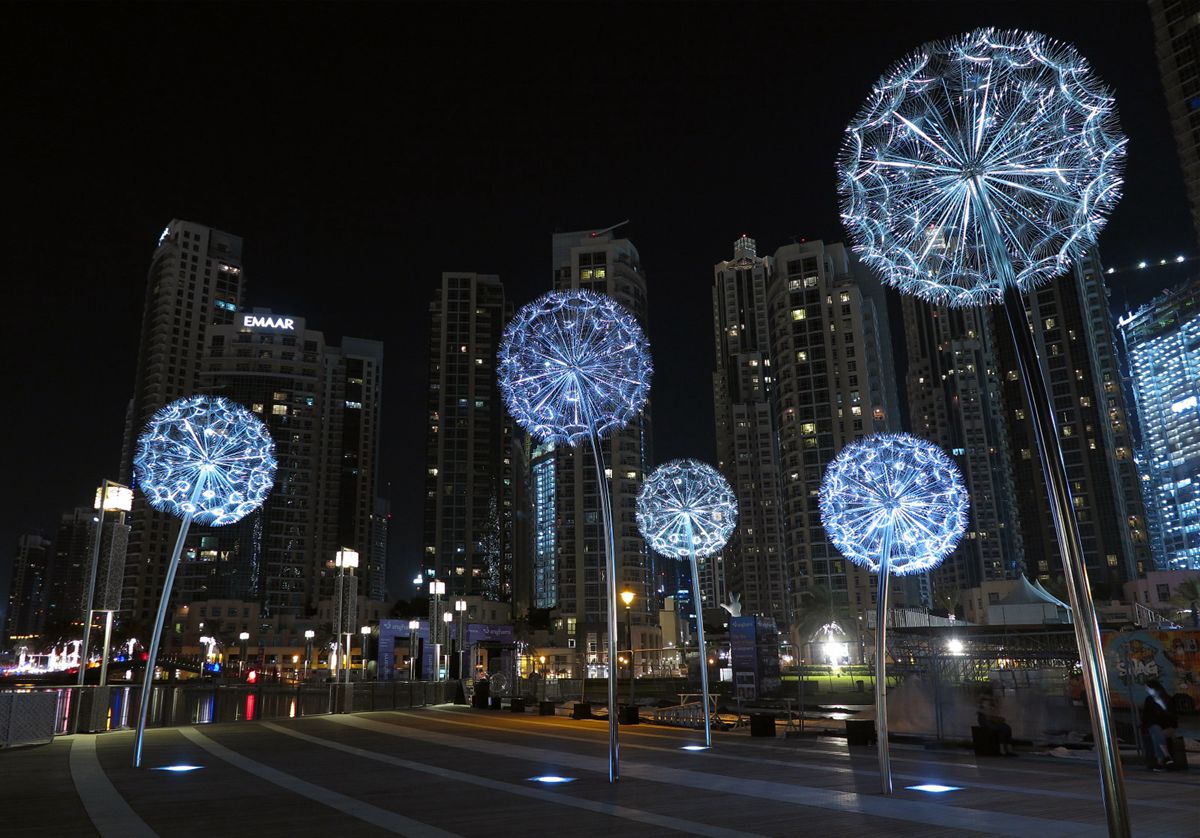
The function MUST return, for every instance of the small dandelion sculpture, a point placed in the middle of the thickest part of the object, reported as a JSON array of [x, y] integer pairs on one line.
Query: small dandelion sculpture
[[575, 365], [686, 509], [203, 459], [892, 503], [979, 168]]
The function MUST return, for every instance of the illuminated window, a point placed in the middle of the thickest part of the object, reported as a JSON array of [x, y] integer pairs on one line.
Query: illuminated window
[[279, 409], [799, 314]]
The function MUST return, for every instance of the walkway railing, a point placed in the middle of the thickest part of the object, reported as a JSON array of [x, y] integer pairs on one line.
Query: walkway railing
[[92, 709]]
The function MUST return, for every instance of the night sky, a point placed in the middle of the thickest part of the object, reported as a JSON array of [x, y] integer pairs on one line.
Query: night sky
[[362, 150]]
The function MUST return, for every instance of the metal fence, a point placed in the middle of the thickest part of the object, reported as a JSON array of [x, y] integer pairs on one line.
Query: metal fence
[[91, 709]]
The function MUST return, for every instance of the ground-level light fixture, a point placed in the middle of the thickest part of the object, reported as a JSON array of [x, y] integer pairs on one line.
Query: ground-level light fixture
[[934, 788], [551, 779], [178, 769]]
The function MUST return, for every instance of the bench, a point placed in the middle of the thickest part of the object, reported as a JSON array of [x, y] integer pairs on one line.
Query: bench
[[985, 741]]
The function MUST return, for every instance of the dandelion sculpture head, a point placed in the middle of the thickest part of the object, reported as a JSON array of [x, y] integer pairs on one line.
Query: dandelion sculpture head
[[685, 494], [992, 128], [896, 481], [574, 364], [206, 457]]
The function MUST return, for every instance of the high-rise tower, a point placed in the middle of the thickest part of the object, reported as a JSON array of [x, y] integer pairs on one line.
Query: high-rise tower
[[1177, 45], [313, 403], [1074, 334], [596, 261], [1162, 346], [955, 400], [834, 382], [470, 488], [746, 436], [195, 282]]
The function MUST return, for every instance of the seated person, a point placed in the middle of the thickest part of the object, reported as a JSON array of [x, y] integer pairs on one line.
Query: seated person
[[1159, 723], [989, 719]]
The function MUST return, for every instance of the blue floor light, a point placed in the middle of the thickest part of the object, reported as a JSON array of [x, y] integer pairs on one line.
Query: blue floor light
[[552, 779], [179, 769], [934, 788]]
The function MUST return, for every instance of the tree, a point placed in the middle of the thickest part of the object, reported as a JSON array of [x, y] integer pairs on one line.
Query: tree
[[818, 607]]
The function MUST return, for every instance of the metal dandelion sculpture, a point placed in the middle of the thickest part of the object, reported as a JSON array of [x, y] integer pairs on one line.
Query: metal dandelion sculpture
[[203, 459], [892, 503], [990, 159], [575, 365], [978, 168], [686, 509]]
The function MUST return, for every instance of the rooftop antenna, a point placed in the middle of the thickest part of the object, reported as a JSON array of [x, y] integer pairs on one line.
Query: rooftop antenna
[[597, 234]]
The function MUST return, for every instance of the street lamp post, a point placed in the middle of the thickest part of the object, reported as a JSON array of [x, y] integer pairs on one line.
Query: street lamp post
[[413, 626], [344, 558], [460, 605], [243, 637], [309, 634], [365, 631], [118, 498], [447, 618], [436, 589], [627, 597]]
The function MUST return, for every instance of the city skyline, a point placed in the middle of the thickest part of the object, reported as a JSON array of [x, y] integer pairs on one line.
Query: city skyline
[[334, 243]]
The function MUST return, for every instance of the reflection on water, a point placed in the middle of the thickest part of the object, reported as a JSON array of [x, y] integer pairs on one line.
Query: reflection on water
[[188, 703]]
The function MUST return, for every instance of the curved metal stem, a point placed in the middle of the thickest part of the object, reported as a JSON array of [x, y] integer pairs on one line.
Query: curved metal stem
[[602, 490], [881, 613], [700, 635], [152, 659], [1066, 526]]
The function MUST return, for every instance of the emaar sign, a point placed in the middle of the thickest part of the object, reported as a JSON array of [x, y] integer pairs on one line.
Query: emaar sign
[[257, 321]]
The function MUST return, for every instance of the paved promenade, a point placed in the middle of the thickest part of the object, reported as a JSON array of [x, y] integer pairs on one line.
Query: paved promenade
[[453, 771]]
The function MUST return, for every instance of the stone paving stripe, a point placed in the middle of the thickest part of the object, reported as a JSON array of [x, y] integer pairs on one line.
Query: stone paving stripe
[[382, 818], [959, 817], [963, 768], [679, 824], [110, 814]]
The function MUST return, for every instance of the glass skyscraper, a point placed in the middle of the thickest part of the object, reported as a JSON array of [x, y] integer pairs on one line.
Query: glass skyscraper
[[1162, 345]]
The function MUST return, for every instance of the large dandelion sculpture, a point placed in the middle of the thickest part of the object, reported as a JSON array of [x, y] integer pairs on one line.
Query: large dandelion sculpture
[[979, 168], [202, 459], [893, 504], [575, 365], [686, 509]]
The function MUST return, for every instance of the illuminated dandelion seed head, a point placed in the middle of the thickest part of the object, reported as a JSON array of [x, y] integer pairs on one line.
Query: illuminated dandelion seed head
[[574, 363], [1002, 127], [208, 457], [683, 493], [897, 481]]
